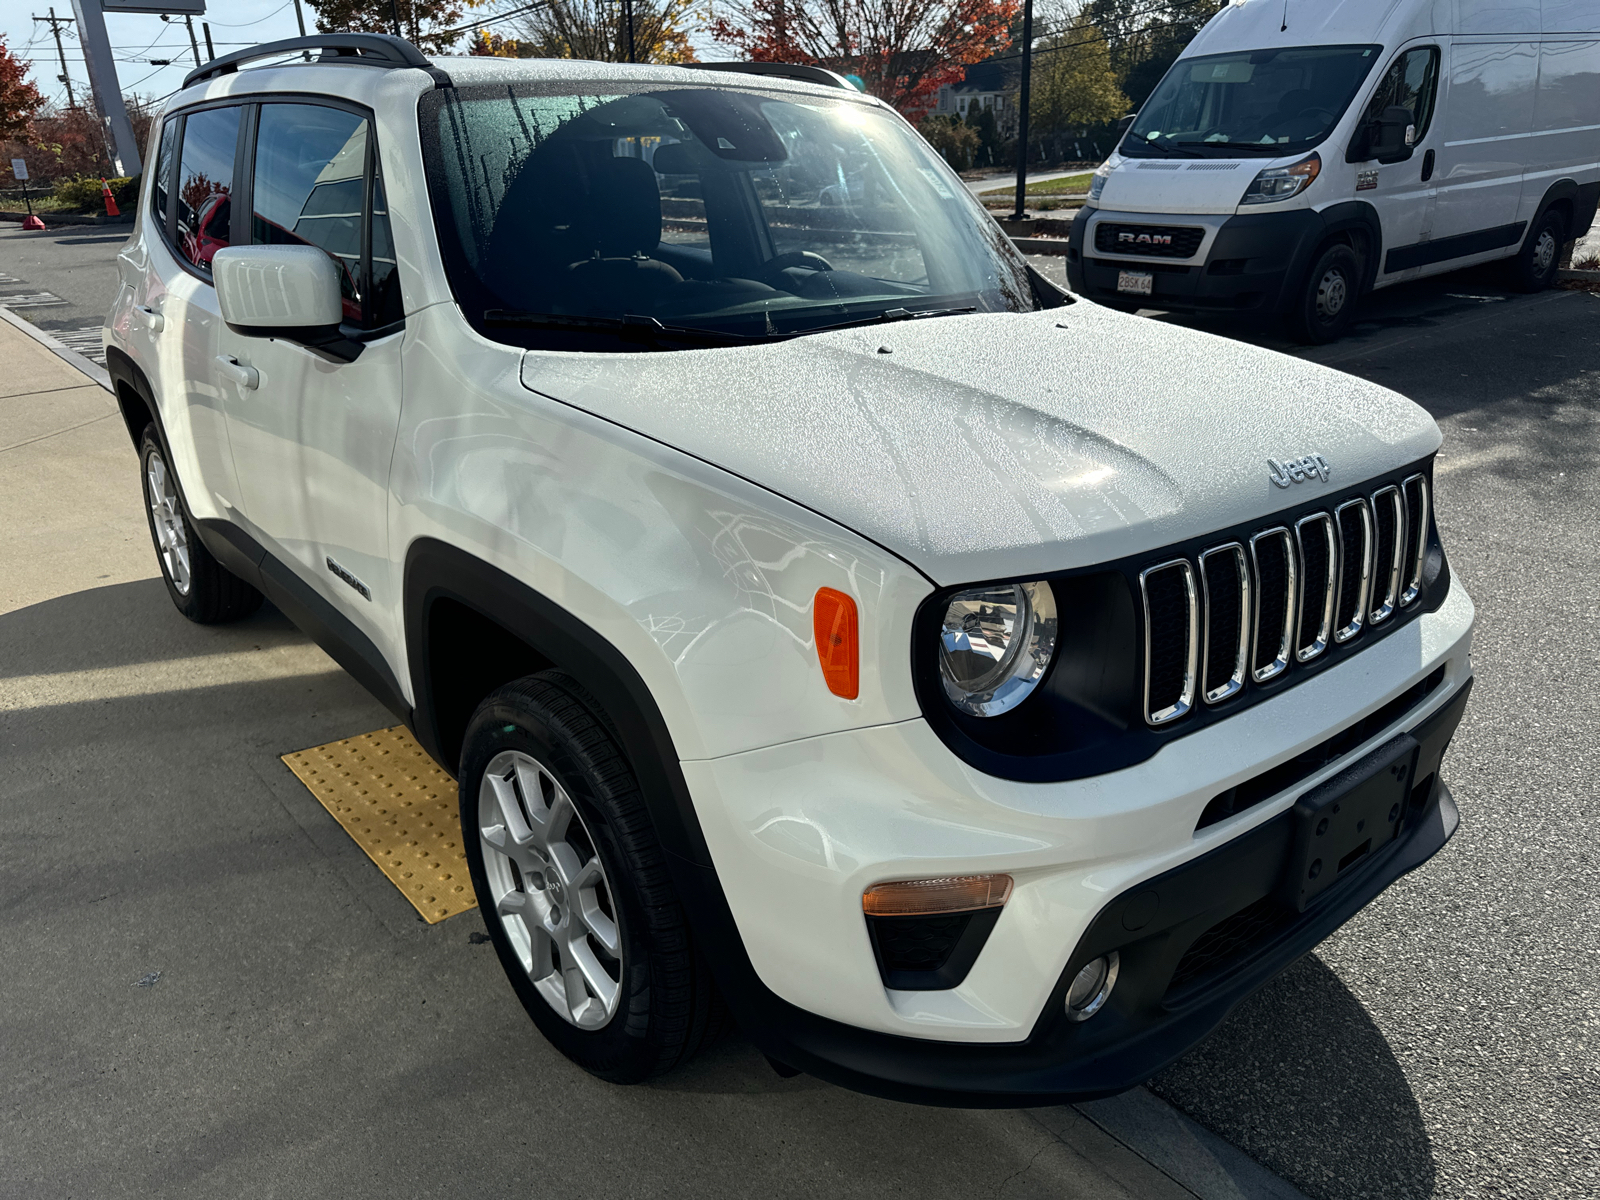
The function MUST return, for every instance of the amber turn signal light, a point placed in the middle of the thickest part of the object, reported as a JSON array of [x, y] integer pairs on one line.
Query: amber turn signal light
[[924, 897], [833, 618]]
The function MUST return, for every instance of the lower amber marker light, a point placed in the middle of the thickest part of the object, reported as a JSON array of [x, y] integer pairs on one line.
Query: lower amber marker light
[[925, 897], [833, 619]]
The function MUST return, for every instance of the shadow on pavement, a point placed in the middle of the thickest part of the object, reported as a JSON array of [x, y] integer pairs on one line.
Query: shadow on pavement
[[120, 624], [1303, 1081]]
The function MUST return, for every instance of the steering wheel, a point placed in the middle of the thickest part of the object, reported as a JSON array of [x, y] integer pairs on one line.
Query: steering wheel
[[797, 258]]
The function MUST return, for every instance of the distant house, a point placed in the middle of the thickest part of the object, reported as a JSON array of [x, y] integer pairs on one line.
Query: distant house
[[986, 86]]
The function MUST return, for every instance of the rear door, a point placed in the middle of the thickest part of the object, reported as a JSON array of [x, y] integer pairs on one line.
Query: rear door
[[313, 440], [1487, 113]]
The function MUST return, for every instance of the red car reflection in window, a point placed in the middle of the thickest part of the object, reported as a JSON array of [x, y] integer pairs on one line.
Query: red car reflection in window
[[211, 231]]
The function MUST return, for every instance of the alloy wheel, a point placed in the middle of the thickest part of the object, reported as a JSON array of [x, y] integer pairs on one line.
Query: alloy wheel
[[549, 890], [172, 539]]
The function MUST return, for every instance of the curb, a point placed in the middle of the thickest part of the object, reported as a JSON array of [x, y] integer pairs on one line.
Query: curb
[[55, 218], [71, 357], [1046, 245], [1186, 1152], [1582, 276]]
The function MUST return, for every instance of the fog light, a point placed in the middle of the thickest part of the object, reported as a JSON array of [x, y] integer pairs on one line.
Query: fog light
[[1091, 987]]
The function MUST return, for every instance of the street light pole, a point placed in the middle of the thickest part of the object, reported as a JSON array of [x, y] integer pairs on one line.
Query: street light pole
[[1022, 117]]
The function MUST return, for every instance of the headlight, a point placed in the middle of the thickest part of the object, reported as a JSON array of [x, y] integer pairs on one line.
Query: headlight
[[1279, 183], [1098, 183], [995, 645]]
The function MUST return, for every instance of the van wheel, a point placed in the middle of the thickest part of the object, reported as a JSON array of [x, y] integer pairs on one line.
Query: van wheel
[[1327, 301], [573, 885], [1535, 265], [202, 588]]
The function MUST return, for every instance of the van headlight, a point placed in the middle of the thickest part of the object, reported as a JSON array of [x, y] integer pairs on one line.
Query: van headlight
[[1098, 183], [995, 645], [1279, 183]]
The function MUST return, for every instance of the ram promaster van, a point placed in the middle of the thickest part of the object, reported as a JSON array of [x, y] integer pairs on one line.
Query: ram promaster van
[[1302, 152]]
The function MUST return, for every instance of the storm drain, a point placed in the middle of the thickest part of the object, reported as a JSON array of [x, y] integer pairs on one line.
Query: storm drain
[[402, 811]]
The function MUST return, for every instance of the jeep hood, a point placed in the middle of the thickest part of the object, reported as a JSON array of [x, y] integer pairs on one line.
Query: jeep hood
[[1002, 445]]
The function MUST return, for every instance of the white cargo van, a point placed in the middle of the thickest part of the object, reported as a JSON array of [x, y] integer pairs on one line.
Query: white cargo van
[[1302, 152]]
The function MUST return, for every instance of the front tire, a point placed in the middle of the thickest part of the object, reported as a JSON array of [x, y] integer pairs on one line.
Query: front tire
[[1327, 301], [1535, 266], [201, 588], [573, 884]]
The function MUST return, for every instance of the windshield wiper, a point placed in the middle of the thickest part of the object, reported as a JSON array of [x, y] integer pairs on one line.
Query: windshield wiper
[[888, 316], [629, 325], [1168, 151]]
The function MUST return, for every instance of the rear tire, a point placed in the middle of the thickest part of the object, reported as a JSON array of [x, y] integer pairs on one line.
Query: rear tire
[[201, 588], [573, 885], [1535, 266], [1327, 301]]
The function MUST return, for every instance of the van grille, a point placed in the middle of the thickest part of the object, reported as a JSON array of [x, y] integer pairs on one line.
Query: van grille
[[1150, 241], [1246, 612]]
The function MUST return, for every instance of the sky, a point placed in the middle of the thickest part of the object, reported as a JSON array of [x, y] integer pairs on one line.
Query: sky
[[135, 40]]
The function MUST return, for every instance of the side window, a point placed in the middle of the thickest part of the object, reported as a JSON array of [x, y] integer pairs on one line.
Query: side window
[[205, 184], [310, 189], [1412, 82], [162, 185]]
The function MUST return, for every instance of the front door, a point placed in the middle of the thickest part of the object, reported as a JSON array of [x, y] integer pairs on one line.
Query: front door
[[313, 438], [1403, 192]]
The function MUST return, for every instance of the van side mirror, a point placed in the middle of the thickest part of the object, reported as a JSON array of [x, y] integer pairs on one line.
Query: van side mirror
[[1389, 137], [288, 292], [1125, 124]]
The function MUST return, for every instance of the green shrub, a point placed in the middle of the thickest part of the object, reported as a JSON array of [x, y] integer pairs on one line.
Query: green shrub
[[82, 192]]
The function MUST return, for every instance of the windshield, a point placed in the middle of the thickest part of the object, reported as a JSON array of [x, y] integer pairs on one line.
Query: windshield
[[580, 220], [1252, 102]]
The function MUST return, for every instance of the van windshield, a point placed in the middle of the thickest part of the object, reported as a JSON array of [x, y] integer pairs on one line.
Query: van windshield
[[1265, 102], [599, 218]]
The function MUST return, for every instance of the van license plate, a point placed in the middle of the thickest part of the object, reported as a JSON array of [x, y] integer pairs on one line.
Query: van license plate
[[1135, 282]]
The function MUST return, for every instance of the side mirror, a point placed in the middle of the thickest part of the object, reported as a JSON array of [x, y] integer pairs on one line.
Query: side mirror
[[1125, 124], [1390, 136], [289, 292]]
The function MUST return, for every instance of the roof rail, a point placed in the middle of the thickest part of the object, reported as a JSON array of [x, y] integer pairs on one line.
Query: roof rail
[[365, 49], [802, 71]]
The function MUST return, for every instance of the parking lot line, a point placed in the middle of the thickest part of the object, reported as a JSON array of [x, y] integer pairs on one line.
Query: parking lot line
[[400, 808]]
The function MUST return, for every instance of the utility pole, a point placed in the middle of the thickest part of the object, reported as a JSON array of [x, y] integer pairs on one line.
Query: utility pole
[[300, 18], [1022, 117], [55, 24], [394, 14], [211, 51], [104, 88], [193, 45], [627, 18]]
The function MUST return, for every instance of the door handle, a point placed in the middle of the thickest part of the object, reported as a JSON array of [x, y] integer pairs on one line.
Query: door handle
[[1427, 166], [151, 317], [246, 377]]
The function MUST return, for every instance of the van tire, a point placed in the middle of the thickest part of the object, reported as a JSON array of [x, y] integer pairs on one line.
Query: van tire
[[201, 588], [1326, 303], [1535, 266], [667, 1007]]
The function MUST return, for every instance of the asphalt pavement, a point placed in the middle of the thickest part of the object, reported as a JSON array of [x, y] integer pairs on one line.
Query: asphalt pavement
[[207, 988]]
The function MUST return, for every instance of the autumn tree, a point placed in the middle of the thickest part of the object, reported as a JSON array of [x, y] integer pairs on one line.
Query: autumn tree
[[904, 50], [1074, 86], [430, 25], [595, 30], [19, 99]]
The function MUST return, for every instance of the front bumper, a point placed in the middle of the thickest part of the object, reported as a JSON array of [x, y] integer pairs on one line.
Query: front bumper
[[797, 831], [1246, 264]]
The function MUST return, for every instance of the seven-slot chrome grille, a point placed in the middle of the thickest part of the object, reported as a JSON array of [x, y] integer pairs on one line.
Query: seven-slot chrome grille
[[1246, 611]]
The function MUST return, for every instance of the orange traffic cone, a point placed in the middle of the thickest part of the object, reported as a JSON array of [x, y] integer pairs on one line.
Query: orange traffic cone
[[33, 224], [111, 205]]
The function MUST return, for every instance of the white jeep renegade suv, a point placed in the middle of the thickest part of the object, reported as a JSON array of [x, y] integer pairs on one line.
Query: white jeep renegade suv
[[974, 692]]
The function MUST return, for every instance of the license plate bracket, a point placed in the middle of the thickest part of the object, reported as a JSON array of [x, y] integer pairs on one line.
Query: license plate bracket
[[1136, 283], [1346, 820]]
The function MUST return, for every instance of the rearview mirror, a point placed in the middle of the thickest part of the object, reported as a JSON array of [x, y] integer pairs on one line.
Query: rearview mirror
[[289, 292], [1390, 136]]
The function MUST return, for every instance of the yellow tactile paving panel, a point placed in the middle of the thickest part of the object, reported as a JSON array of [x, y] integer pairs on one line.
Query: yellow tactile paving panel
[[400, 808]]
